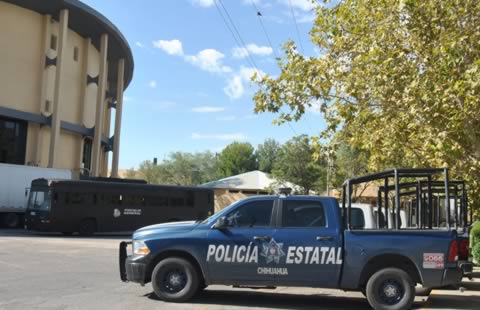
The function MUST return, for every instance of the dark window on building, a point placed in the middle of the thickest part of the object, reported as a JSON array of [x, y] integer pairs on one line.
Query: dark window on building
[[13, 141], [75, 53], [87, 154], [48, 105], [53, 42], [252, 214], [297, 213]]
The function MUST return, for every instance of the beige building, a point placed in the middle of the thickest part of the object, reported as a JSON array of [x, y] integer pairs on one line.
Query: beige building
[[64, 68], [234, 188]]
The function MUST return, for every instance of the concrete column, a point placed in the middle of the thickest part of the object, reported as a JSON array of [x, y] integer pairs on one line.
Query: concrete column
[[102, 81], [118, 117], [83, 94], [55, 129], [47, 21]]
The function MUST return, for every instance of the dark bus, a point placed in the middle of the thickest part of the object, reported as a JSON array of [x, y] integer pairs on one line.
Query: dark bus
[[88, 206]]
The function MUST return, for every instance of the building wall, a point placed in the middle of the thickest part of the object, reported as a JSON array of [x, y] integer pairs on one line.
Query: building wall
[[27, 85], [225, 197]]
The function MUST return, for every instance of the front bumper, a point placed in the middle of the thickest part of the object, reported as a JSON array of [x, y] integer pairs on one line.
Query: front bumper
[[132, 268]]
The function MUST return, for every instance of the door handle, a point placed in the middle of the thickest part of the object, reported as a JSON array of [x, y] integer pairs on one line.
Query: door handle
[[262, 238], [324, 238]]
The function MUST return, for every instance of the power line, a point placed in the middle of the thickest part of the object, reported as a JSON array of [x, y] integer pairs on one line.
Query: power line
[[239, 35], [240, 42], [296, 26], [229, 27], [259, 16]]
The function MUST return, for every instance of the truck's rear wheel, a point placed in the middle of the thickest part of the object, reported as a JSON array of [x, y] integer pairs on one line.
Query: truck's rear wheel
[[175, 279], [390, 289], [12, 220]]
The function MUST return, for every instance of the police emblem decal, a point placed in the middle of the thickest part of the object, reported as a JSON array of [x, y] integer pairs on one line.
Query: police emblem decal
[[272, 251]]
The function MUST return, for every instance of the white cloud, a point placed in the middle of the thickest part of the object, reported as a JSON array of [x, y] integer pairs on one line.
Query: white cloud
[[232, 136], [209, 60], [304, 5], [208, 109], [152, 84], [203, 3], [253, 49], [171, 47], [236, 84], [227, 118], [139, 44], [234, 88], [127, 98]]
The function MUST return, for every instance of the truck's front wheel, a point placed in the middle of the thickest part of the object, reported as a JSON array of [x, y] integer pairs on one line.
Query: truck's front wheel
[[175, 279], [390, 289]]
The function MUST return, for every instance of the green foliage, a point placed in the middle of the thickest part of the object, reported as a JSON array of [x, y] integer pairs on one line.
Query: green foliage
[[180, 169], [475, 234], [297, 164], [267, 154], [476, 252], [397, 79], [236, 158]]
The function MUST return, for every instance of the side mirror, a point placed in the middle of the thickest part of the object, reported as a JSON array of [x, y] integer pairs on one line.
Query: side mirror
[[221, 223], [26, 191]]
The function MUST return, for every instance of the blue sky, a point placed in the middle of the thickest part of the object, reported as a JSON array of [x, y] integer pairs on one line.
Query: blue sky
[[190, 91]]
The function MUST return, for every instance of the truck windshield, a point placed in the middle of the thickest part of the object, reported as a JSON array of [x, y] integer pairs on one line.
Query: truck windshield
[[39, 200]]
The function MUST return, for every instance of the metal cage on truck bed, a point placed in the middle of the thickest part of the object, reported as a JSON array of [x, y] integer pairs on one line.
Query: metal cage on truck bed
[[422, 194]]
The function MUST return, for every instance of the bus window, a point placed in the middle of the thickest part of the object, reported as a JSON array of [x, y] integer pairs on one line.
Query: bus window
[[77, 198], [177, 199], [133, 200], [157, 201], [190, 199]]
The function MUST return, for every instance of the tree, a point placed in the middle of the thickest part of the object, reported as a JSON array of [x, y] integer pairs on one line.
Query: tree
[[398, 79], [236, 158], [151, 173], [267, 154], [180, 168], [296, 164]]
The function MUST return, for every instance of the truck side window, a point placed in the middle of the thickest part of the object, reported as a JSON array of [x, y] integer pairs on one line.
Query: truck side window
[[252, 214], [297, 213], [358, 218]]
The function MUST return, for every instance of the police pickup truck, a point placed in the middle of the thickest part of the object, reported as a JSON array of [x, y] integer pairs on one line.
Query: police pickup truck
[[289, 240]]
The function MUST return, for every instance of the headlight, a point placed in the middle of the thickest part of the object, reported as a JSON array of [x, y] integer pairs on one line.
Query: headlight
[[140, 248]]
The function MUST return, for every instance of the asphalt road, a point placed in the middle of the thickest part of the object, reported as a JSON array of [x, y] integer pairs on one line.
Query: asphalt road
[[42, 271]]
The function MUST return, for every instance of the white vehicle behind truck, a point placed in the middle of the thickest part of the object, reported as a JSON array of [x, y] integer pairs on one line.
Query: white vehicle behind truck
[[15, 183]]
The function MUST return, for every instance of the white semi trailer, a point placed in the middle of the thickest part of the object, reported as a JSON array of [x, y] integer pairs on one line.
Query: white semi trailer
[[15, 183]]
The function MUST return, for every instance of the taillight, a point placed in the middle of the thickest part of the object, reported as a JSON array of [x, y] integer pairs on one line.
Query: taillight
[[463, 250], [453, 252]]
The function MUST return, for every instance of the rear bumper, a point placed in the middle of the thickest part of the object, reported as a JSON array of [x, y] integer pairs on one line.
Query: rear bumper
[[132, 268], [454, 276]]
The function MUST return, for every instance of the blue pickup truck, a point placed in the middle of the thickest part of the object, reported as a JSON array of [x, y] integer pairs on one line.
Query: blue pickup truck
[[290, 240]]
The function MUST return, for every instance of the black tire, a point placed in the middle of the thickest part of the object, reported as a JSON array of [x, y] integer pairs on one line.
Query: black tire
[[175, 279], [423, 291], [87, 227], [390, 289], [12, 220]]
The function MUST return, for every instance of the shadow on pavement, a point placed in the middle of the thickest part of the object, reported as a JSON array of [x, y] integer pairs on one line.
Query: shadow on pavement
[[459, 302], [277, 300]]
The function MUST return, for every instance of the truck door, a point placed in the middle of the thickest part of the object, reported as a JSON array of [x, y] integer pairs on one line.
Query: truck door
[[311, 243], [234, 252]]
